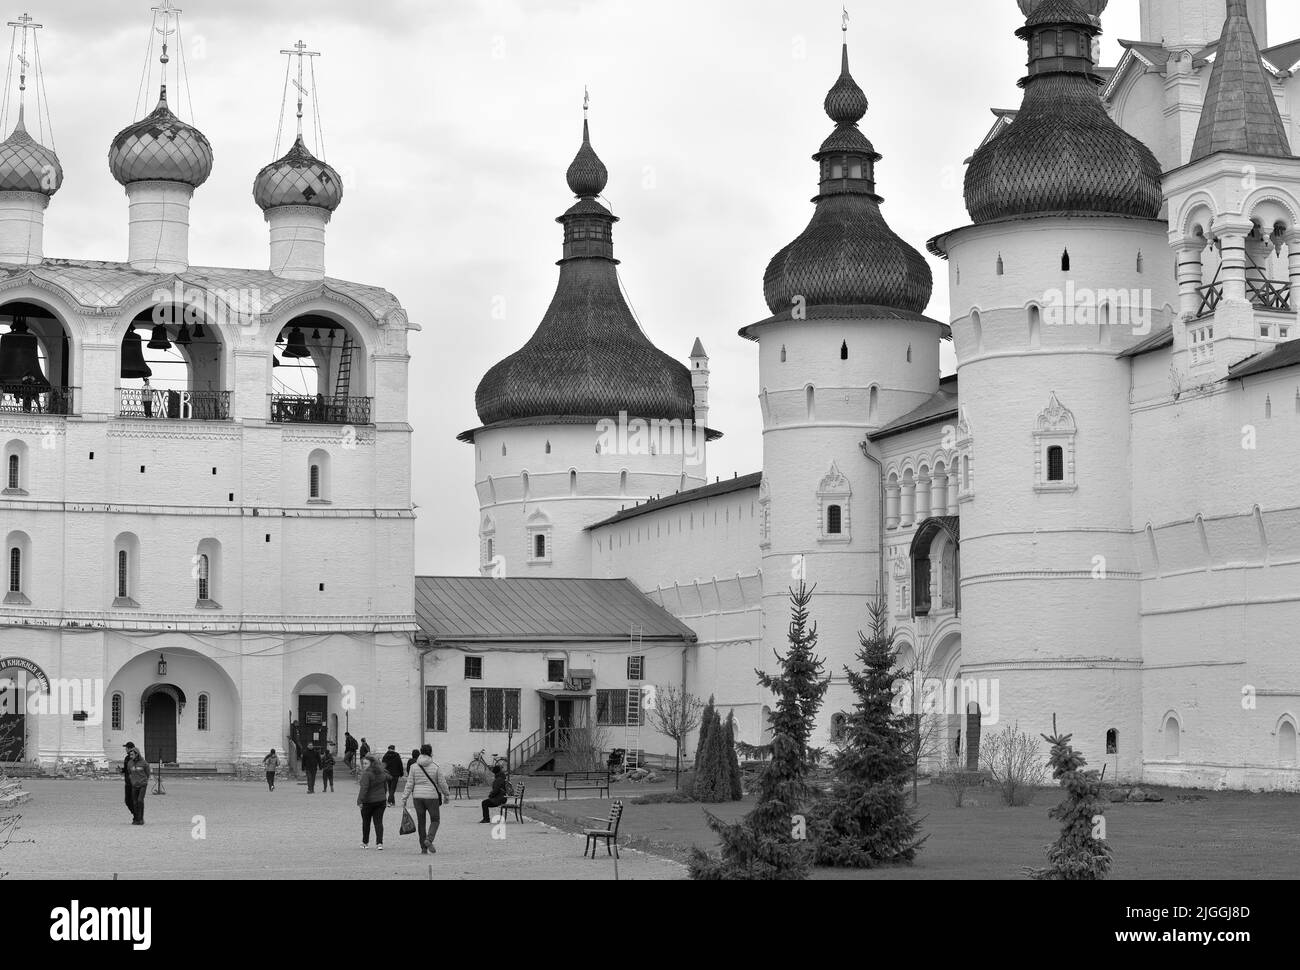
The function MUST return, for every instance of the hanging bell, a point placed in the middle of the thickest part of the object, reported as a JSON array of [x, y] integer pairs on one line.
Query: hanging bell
[[18, 358], [297, 347], [183, 335], [159, 339], [133, 365], [315, 334], [275, 361], [199, 332]]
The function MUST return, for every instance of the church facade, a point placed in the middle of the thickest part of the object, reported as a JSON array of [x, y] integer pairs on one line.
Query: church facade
[[1112, 452]]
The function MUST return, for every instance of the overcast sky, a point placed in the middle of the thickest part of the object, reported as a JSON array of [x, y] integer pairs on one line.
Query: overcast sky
[[453, 121]]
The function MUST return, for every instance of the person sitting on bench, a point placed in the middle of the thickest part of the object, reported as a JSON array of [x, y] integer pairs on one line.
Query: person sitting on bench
[[497, 797]]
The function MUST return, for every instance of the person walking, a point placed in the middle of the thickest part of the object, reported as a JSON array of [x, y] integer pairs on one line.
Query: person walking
[[393, 764], [271, 762], [372, 797], [350, 752], [415, 756], [364, 752], [426, 784], [310, 765], [327, 770], [136, 771], [498, 795]]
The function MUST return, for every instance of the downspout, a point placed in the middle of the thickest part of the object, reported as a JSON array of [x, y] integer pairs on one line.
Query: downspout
[[423, 651], [880, 468]]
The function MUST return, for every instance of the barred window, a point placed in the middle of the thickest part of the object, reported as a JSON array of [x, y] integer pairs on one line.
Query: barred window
[[834, 520], [15, 570], [116, 716], [612, 707], [435, 708], [636, 668], [473, 668], [203, 712], [555, 671], [1056, 464], [13, 471], [493, 709], [122, 590], [314, 482], [202, 571]]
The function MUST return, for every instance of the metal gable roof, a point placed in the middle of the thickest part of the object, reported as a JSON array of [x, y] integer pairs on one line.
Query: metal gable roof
[[1275, 358], [484, 610]]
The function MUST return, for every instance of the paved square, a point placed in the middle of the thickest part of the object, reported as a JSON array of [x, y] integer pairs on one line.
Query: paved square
[[81, 830]]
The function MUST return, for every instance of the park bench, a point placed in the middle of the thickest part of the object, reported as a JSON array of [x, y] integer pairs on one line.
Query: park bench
[[609, 833], [597, 781], [459, 782], [515, 803]]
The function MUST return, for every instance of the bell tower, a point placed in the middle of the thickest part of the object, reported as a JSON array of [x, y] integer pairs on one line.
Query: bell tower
[[1193, 24]]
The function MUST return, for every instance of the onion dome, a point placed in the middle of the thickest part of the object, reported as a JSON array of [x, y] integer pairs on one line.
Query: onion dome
[[1063, 153], [848, 255], [1093, 8], [161, 148], [26, 165], [299, 178], [588, 358]]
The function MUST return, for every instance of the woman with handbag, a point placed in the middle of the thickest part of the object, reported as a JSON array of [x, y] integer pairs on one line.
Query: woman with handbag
[[428, 786], [372, 797]]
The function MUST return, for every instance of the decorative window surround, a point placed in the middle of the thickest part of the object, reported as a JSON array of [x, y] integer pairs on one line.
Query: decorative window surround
[[1055, 426], [834, 490], [539, 525], [764, 515], [965, 464]]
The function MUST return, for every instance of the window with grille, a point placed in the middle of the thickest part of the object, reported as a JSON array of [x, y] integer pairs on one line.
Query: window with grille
[[555, 671], [15, 570], [122, 587], [202, 570], [636, 668], [833, 520], [116, 713], [203, 712], [1112, 741], [473, 668], [493, 709], [13, 471], [435, 708], [1056, 464], [315, 481], [539, 546], [617, 708]]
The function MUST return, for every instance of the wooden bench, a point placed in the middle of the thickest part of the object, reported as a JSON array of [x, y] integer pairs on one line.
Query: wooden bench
[[597, 781], [515, 803], [459, 782], [609, 833]]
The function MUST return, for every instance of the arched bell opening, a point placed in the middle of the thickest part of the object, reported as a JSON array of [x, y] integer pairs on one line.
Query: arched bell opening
[[319, 373], [36, 365], [172, 367]]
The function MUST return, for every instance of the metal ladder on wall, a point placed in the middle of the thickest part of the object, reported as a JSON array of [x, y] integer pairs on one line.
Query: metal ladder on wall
[[343, 383], [632, 733]]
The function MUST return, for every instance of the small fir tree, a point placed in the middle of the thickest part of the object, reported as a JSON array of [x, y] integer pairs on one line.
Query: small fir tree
[[733, 762], [706, 723], [866, 821], [1077, 853], [713, 776], [769, 842]]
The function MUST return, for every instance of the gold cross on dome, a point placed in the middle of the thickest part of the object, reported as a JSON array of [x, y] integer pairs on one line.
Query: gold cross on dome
[[300, 51], [24, 23]]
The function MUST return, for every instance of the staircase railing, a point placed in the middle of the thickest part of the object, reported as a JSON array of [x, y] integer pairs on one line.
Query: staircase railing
[[528, 748]]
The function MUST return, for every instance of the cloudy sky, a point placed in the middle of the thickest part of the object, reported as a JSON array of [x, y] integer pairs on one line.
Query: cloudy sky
[[453, 121]]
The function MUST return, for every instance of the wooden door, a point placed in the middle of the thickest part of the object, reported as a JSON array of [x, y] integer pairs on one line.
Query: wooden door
[[312, 718], [13, 724], [160, 729]]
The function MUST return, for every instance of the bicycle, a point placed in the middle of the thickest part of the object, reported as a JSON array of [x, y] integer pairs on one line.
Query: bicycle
[[480, 760]]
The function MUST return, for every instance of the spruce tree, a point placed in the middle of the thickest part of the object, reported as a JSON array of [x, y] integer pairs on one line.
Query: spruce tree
[[733, 762], [866, 821], [1076, 854], [706, 723], [766, 843], [712, 777]]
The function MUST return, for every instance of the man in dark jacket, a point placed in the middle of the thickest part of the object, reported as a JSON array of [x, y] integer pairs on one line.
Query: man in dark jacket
[[136, 770], [393, 764], [350, 751], [310, 762], [498, 796]]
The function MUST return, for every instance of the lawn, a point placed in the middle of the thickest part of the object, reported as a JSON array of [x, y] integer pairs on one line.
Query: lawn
[[1190, 835]]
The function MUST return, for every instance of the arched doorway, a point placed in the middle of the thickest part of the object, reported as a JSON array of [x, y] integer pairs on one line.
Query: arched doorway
[[319, 373], [173, 366], [161, 707], [317, 701]]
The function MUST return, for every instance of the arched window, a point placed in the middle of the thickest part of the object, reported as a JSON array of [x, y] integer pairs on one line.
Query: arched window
[[573, 482], [523, 478], [833, 524], [123, 574], [810, 402], [1286, 743], [503, 449], [1065, 261], [202, 575], [909, 353], [1172, 731], [126, 570], [1112, 741], [539, 546], [491, 549], [202, 720], [313, 477], [965, 473], [1001, 266], [318, 476], [844, 350], [622, 482], [13, 471], [1056, 464], [115, 713], [873, 404], [783, 353], [15, 570], [1035, 326], [548, 447]]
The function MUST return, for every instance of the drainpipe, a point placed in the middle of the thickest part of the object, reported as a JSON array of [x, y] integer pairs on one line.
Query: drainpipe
[[423, 651], [880, 468]]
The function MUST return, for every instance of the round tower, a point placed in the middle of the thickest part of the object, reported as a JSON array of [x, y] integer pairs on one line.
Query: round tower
[[1061, 274], [589, 417], [846, 350]]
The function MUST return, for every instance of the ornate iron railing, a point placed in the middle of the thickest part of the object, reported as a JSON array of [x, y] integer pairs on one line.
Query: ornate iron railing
[[25, 399], [302, 409], [164, 405]]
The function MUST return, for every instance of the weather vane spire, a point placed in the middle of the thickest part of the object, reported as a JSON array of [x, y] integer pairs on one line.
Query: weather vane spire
[[844, 22], [586, 101], [24, 23], [300, 51]]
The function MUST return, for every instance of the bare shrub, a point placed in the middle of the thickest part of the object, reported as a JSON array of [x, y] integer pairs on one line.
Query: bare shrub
[[958, 780], [1015, 762], [588, 747]]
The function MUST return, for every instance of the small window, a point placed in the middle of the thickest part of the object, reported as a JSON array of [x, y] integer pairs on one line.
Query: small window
[[503, 449], [315, 481], [1141, 267], [15, 570], [123, 590], [1065, 261], [548, 447], [636, 667], [203, 712], [435, 708], [1056, 464], [783, 353], [491, 549], [201, 568], [115, 713], [1001, 266], [13, 471], [1112, 736], [834, 517], [555, 671], [844, 350], [909, 353], [473, 668], [539, 546]]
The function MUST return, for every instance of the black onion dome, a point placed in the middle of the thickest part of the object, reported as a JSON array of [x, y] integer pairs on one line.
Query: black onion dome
[[848, 255], [1093, 8], [1063, 153], [299, 178], [587, 175], [26, 165], [162, 148], [588, 358]]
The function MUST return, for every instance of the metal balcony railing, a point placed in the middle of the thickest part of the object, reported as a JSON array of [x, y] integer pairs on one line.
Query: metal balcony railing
[[303, 409], [165, 405], [25, 399]]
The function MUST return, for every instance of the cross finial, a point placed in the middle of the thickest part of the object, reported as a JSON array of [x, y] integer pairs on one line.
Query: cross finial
[[844, 22], [586, 101], [23, 23], [167, 11], [300, 51]]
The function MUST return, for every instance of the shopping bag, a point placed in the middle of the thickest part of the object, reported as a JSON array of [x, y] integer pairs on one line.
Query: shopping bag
[[408, 823]]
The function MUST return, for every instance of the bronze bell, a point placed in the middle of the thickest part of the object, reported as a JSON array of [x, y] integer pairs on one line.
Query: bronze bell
[[159, 339], [183, 335], [18, 358], [133, 365], [297, 347]]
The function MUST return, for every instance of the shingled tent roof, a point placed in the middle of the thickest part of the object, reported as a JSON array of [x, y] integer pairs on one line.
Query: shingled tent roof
[[1240, 112]]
